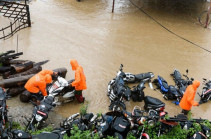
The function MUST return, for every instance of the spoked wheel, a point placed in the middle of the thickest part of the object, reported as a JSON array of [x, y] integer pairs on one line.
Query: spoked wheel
[[203, 17]]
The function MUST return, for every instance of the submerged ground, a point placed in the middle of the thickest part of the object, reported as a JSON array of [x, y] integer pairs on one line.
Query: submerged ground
[[100, 41]]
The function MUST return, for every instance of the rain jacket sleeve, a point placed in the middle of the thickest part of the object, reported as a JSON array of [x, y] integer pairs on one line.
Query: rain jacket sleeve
[[42, 87], [190, 99], [77, 78]]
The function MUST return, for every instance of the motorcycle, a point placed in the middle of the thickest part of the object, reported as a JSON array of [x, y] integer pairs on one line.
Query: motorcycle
[[40, 113], [118, 92], [137, 92], [206, 91], [181, 84], [134, 78], [169, 92], [155, 107], [113, 124], [3, 109], [60, 89]]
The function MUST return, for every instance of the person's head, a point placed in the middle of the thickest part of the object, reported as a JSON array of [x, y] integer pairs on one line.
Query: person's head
[[74, 64], [196, 84], [48, 78]]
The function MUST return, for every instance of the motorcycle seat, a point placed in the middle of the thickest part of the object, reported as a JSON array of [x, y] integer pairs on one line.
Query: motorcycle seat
[[142, 76], [153, 101]]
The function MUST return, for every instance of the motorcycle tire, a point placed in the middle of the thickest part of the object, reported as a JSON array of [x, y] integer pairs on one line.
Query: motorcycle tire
[[117, 106]]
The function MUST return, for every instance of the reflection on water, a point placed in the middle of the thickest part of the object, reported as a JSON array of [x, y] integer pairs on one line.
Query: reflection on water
[[101, 41]]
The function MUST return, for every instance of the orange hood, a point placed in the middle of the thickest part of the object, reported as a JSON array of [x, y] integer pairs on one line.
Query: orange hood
[[196, 84], [74, 64]]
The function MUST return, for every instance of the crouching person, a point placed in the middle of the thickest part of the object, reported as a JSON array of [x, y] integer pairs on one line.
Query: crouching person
[[36, 85]]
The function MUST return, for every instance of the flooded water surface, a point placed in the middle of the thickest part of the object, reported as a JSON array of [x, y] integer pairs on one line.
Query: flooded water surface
[[101, 41]]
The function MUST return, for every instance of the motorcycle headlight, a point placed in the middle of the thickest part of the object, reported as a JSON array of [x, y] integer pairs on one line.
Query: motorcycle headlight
[[38, 117]]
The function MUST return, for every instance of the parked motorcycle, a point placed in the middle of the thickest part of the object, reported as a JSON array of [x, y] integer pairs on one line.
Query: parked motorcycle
[[113, 124], [3, 109], [118, 92], [155, 106], [182, 84], [206, 91], [40, 113], [134, 78], [169, 91]]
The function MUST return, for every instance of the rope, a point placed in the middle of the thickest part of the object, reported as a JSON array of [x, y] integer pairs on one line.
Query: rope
[[169, 29]]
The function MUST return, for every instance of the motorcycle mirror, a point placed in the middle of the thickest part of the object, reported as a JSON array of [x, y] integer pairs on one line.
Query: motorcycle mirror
[[192, 79], [187, 71], [204, 79]]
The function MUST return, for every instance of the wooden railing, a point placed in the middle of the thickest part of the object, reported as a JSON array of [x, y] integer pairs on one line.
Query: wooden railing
[[20, 15]]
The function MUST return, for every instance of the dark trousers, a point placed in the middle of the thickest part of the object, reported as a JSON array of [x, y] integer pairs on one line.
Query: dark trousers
[[79, 96], [185, 112]]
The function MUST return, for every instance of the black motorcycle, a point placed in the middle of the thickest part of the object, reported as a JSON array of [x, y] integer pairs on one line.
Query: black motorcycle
[[155, 106], [181, 83], [118, 91], [40, 113], [3, 109], [113, 124], [137, 92], [206, 92]]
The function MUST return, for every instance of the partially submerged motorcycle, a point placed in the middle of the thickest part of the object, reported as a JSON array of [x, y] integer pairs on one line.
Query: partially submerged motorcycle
[[181, 83], [118, 91], [169, 92], [134, 78], [206, 92]]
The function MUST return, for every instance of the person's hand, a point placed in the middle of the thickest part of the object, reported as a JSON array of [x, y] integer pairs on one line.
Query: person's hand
[[70, 85]]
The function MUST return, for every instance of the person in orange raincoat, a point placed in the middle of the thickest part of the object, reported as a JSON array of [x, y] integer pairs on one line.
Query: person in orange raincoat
[[37, 84], [80, 80], [188, 98]]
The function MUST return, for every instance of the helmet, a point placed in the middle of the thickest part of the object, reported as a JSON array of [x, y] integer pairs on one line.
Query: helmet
[[48, 78], [129, 77]]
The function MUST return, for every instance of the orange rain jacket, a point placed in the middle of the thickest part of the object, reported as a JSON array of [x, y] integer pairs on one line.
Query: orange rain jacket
[[80, 78], [45, 72], [38, 83], [188, 98]]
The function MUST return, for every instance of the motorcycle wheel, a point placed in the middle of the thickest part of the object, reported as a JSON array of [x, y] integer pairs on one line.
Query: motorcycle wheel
[[117, 106]]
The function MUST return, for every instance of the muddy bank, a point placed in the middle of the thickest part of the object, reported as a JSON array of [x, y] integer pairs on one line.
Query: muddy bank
[[100, 41]]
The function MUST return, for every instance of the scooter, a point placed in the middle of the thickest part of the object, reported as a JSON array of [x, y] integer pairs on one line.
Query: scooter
[[155, 106], [169, 92], [40, 113], [61, 89], [206, 92], [134, 78], [118, 92]]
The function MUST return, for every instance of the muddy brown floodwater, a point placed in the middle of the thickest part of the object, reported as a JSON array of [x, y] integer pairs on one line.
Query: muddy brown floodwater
[[100, 41]]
